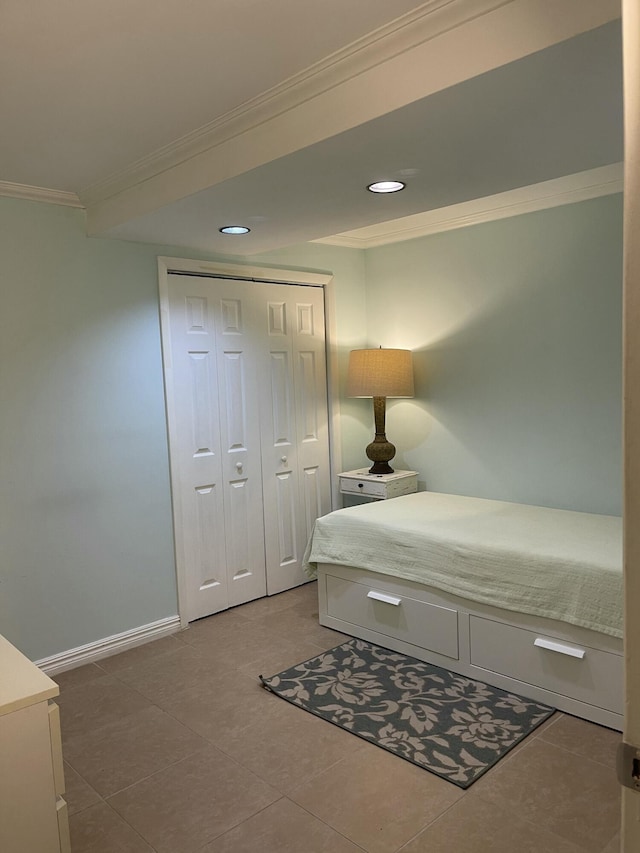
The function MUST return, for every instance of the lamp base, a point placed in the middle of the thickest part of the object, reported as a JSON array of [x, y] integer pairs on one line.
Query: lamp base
[[380, 452], [381, 468]]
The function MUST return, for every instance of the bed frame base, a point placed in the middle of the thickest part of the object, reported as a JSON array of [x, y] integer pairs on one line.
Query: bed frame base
[[570, 668]]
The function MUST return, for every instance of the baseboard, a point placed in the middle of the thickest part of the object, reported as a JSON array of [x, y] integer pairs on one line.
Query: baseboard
[[109, 646]]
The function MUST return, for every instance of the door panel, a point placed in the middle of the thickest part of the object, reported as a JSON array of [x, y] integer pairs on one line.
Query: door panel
[[200, 381], [218, 493], [277, 318], [310, 382], [235, 410], [231, 317], [204, 549], [209, 537], [237, 353], [195, 449], [286, 518], [312, 496], [279, 456], [307, 379], [295, 449], [280, 376], [238, 557]]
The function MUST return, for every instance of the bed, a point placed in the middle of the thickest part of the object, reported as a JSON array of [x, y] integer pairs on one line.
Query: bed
[[525, 598]]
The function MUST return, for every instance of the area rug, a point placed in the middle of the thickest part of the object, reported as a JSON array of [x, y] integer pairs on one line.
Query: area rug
[[450, 725]]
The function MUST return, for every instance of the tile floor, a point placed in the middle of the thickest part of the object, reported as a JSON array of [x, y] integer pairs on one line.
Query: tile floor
[[174, 747]]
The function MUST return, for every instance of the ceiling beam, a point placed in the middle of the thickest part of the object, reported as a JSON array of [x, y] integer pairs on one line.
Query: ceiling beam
[[442, 43]]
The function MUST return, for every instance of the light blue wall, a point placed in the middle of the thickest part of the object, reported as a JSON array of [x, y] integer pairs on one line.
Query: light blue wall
[[516, 326], [86, 546]]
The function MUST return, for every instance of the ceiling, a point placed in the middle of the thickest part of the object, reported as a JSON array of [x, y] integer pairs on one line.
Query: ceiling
[[167, 121]]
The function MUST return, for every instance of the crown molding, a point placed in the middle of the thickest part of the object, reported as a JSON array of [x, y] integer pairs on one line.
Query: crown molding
[[438, 45], [404, 33], [24, 191], [605, 180]]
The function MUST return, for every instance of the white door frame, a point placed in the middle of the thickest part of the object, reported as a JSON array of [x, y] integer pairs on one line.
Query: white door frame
[[246, 272], [630, 835]]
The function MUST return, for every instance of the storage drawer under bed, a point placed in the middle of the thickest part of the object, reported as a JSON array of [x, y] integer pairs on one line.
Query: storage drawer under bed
[[583, 673], [428, 626]]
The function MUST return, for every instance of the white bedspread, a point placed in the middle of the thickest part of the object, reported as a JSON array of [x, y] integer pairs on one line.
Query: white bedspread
[[546, 562]]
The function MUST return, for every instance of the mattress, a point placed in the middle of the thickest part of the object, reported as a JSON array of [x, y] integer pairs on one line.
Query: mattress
[[554, 563]]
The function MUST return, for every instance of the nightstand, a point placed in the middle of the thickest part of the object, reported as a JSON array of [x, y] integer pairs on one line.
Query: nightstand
[[378, 486]]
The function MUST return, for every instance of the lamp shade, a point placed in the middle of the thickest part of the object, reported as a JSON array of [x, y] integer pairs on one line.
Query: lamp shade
[[380, 373]]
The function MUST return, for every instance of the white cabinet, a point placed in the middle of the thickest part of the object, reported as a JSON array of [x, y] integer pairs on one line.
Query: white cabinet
[[33, 812], [245, 377], [378, 486]]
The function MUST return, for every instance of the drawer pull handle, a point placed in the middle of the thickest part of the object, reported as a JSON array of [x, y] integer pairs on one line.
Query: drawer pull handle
[[559, 647], [383, 596]]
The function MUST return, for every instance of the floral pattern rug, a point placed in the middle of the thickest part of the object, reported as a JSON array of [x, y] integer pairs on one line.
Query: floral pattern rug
[[452, 726]]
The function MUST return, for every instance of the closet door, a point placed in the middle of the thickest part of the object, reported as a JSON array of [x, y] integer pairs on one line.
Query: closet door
[[295, 446], [215, 444], [246, 390]]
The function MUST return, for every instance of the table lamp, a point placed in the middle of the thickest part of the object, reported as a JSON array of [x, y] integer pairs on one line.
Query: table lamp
[[380, 373]]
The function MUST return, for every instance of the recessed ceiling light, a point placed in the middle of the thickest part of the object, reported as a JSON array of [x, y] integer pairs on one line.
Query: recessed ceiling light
[[386, 187], [234, 229]]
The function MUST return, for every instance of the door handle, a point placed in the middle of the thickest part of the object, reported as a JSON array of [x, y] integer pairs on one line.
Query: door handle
[[383, 596], [542, 643]]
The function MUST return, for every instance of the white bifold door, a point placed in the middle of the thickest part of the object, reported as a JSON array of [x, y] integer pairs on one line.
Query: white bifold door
[[245, 373]]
